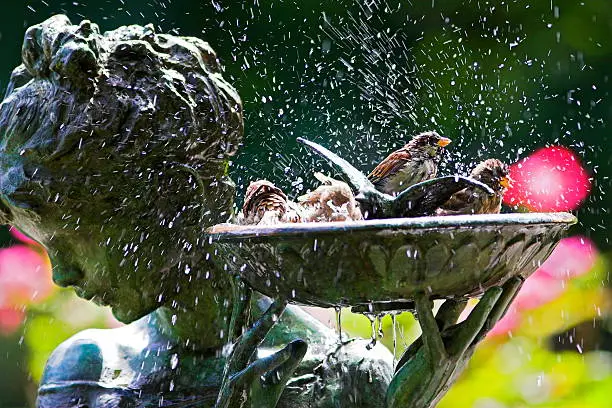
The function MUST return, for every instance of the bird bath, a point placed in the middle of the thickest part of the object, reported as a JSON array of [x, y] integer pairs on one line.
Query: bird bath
[[387, 261], [385, 265]]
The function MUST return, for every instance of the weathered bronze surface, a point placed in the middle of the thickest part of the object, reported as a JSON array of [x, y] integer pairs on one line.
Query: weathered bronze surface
[[352, 263]]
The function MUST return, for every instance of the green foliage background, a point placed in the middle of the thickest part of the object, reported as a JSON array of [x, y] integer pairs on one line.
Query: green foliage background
[[500, 77]]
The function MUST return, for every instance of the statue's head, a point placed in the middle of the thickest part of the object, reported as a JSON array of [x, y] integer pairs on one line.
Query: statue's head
[[114, 149]]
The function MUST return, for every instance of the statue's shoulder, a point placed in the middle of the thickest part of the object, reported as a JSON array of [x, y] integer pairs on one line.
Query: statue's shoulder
[[75, 371], [78, 370], [99, 355], [79, 358]]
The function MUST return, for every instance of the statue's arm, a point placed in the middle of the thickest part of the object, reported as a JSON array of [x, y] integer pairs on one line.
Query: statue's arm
[[433, 362]]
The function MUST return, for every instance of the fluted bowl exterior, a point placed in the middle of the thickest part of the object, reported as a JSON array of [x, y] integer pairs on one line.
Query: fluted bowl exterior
[[355, 263]]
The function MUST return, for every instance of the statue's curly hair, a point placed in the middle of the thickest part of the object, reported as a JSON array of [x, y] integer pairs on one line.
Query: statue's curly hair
[[129, 101]]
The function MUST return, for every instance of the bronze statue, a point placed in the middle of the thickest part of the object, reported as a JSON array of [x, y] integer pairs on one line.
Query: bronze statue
[[114, 156]]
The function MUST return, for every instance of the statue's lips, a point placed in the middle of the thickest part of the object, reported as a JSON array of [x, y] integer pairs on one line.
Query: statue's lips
[[82, 293]]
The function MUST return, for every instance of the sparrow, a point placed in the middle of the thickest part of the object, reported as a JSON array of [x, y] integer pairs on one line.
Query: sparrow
[[470, 200], [332, 201], [415, 162], [265, 204]]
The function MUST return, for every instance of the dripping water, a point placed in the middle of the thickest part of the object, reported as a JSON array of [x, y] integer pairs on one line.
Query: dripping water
[[394, 335], [338, 310], [379, 318], [373, 331]]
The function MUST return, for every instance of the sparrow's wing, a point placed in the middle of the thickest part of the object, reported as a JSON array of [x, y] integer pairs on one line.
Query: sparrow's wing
[[388, 167], [328, 181], [310, 198], [356, 179], [425, 197], [460, 200]]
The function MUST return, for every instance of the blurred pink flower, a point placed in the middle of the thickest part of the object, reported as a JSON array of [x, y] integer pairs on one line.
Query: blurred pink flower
[[25, 278], [23, 238], [573, 257], [507, 324], [25, 275], [539, 289], [551, 179], [10, 320]]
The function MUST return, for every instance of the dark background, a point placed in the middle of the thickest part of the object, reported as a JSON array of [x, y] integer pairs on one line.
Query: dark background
[[501, 78]]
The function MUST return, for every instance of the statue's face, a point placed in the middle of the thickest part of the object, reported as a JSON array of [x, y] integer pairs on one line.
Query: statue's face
[[113, 152], [89, 268]]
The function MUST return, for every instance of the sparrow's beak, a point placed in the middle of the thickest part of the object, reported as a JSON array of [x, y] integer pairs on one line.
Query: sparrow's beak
[[443, 141], [506, 182]]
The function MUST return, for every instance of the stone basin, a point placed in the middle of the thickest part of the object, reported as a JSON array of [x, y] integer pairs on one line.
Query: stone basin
[[377, 261]]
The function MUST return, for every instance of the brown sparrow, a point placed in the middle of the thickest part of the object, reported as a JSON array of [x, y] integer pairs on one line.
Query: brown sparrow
[[264, 203], [333, 201], [470, 200], [415, 162]]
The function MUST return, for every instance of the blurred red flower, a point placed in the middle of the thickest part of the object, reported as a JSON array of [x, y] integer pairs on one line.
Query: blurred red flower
[[551, 179], [573, 257]]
